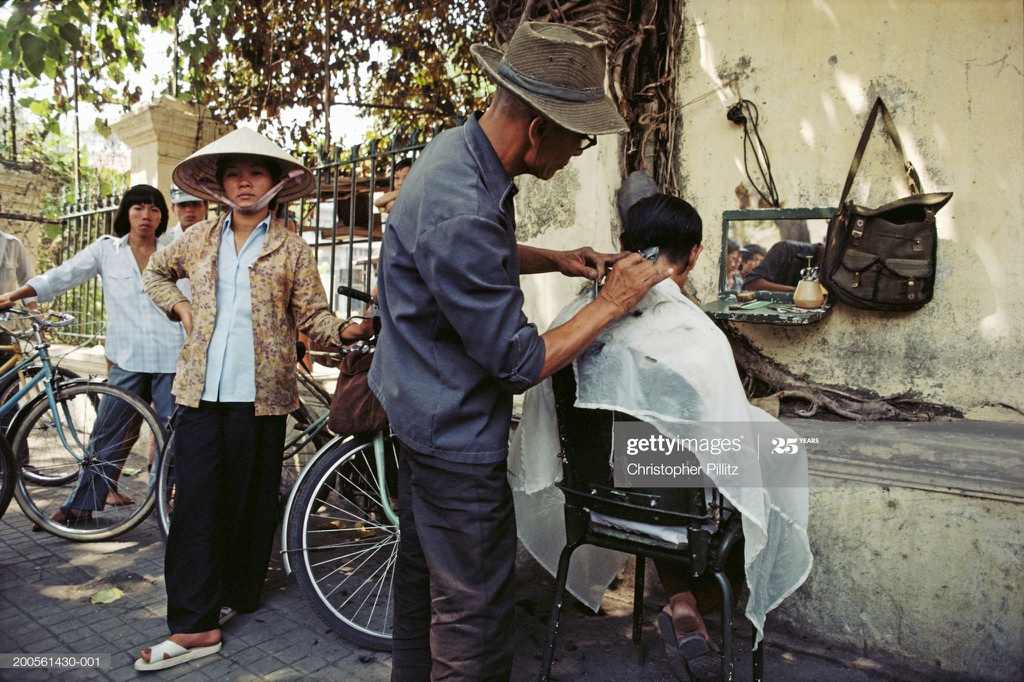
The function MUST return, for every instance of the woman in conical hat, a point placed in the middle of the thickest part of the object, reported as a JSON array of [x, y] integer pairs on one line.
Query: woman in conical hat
[[254, 285]]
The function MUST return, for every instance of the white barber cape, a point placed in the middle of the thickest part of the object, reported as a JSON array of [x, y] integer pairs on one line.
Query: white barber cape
[[667, 364]]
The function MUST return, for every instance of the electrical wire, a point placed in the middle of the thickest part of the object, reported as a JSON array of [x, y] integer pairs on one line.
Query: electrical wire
[[744, 113]]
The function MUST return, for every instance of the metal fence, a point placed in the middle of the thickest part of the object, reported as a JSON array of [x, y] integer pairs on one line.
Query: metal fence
[[339, 222]]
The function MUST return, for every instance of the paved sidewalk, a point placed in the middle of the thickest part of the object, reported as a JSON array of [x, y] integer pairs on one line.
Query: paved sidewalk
[[46, 584]]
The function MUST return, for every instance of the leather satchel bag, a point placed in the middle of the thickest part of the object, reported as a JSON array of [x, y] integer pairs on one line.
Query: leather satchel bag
[[355, 409], [883, 258]]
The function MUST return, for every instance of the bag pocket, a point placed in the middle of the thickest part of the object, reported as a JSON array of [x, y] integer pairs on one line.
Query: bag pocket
[[906, 281], [857, 274]]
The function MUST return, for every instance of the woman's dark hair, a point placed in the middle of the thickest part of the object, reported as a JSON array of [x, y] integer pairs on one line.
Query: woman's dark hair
[[140, 194], [665, 221]]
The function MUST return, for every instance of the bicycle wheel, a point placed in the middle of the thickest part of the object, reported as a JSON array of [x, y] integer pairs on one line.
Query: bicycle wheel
[[8, 477], [165, 487], [9, 422], [110, 462], [345, 544]]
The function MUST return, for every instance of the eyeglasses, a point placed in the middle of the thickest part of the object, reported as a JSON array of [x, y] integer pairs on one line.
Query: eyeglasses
[[587, 142]]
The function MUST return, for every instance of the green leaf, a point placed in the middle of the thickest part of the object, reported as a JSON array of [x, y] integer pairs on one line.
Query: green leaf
[[33, 55], [39, 107], [71, 34], [106, 595]]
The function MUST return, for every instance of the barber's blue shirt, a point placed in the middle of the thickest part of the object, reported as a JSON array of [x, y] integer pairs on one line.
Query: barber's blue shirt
[[231, 356], [455, 344]]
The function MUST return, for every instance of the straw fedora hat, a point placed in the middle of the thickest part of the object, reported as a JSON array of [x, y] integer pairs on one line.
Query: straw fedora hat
[[558, 70], [197, 174]]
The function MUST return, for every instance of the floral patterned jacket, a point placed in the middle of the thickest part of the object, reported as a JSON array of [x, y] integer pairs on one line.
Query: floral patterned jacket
[[287, 294]]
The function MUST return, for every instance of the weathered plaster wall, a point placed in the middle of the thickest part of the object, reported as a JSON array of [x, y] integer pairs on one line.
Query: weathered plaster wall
[[575, 208], [23, 188], [952, 73]]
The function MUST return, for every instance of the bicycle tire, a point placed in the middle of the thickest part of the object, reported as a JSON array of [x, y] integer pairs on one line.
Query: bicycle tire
[[123, 468], [343, 546], [7, 390], [165, 487], [8, 475]]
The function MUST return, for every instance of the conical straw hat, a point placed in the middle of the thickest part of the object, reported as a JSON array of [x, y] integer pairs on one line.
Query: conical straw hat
[[197, 174]]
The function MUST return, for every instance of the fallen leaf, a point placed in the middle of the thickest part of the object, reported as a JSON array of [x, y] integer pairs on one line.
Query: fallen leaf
[[130, 472], [106, 595]]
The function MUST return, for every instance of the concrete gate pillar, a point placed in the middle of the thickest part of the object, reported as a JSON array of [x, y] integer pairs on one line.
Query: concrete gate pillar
[[162, 133], [23, 187]]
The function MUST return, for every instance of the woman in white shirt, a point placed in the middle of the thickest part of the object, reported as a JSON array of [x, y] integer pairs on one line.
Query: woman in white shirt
[[142, 344]]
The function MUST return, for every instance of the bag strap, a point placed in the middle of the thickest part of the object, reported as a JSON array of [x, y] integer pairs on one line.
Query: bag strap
[[890, 127]]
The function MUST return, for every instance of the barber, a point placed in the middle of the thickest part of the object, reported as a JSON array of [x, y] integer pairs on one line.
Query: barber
[[455, 344]]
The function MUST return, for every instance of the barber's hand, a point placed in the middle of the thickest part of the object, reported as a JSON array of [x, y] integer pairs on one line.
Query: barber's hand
[[630, 280], [586, 262], [6, 301]]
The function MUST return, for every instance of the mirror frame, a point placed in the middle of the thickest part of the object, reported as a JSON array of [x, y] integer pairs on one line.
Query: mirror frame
[[785, 314]]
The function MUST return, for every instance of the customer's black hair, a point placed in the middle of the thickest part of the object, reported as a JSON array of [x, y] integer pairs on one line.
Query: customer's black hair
[[665, 221], [140, 194]]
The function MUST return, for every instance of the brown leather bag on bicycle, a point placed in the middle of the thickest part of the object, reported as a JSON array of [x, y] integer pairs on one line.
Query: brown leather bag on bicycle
[[355, 410]]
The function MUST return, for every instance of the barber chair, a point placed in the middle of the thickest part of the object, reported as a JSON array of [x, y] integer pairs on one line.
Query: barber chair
[[586, 437]]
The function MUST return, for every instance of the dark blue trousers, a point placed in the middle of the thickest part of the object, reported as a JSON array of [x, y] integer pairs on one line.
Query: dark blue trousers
[[228, 471], [454, 582]]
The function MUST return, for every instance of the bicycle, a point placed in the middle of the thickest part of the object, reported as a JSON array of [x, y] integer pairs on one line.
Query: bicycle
[[299, 449], [341, 535], [12, 381], [8, 474], [56, 453]]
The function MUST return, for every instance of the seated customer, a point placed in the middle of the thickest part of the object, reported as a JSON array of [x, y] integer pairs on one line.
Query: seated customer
[[669, 342], [780, 269]]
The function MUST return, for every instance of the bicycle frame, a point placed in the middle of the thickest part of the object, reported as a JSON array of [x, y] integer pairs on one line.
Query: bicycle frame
[[45, 375]]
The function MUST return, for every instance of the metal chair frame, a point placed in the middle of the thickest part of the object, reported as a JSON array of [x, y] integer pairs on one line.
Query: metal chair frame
[[585, 437]]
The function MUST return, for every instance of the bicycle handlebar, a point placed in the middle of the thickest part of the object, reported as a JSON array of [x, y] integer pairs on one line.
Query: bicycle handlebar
[[355, 294], [50, 319]]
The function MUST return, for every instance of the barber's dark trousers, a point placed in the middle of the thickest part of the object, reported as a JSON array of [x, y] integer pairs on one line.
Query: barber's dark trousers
[[454, 582], [228, 470]]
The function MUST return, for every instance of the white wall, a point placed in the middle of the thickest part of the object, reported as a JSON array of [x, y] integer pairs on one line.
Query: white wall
[[952, 73]]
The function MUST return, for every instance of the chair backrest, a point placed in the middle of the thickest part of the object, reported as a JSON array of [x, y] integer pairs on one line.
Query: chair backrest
[[585, 436]]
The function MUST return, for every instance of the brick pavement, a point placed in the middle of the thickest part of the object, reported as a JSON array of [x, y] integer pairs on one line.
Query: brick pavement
[[46, 583]]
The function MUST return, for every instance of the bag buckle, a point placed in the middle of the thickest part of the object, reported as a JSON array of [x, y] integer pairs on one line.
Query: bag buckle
[[856, 280], [914, 189], [911, 294], [858, 231]]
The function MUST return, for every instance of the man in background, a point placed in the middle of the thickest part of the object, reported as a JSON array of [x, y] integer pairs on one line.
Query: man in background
[[189, 209]]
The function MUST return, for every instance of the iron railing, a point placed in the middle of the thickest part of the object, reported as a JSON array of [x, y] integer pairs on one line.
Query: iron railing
[[339, 222]]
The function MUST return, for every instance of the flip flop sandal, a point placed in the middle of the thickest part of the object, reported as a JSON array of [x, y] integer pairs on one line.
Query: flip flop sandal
[[167, 654]]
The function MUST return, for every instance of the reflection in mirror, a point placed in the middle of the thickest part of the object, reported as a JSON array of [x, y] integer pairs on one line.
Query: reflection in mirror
[[789, 240], [760, 280]]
